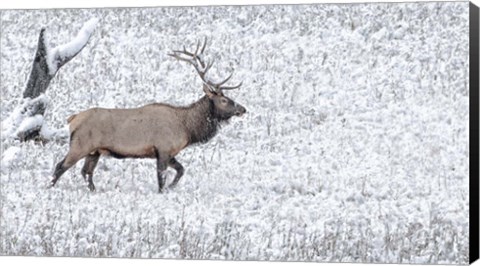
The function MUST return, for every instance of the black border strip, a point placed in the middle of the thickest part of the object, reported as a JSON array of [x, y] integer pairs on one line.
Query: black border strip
[[473, 136]]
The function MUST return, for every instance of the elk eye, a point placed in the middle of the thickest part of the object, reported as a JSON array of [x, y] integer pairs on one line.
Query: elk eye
[[224, 101]]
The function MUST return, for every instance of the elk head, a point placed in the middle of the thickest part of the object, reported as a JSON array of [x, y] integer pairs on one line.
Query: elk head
[[223, 107]]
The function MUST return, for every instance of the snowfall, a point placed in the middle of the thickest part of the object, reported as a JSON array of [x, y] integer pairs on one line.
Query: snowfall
[[354, 147]]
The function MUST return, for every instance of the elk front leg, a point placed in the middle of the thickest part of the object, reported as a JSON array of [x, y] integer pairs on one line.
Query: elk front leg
[[178, 168], [161, 167]]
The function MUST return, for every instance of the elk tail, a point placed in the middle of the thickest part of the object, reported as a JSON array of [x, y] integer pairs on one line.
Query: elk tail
[[69, 119]]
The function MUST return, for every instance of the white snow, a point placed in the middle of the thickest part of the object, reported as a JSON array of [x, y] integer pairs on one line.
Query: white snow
[[354, 147], [10, 156], [31, 122], [48, 133]]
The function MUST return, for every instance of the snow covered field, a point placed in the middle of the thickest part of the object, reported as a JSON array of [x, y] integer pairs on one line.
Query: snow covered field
[[354, 147]]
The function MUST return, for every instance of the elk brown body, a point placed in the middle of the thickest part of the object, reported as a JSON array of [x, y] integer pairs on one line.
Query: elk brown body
[[158, 130]]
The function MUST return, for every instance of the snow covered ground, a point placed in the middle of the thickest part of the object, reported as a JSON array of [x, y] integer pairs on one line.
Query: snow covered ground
[[354, 147]]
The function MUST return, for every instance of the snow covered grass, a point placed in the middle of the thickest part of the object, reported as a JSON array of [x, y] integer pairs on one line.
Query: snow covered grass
[[354, 147]]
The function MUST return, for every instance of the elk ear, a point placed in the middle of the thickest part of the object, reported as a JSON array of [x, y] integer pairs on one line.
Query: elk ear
[[208, 92]]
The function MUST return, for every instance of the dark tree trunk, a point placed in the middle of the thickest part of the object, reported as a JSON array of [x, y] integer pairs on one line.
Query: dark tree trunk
[[39, 77], [37, 84]]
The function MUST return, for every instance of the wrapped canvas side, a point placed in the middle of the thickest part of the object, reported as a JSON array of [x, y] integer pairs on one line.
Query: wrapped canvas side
[[474, 146]]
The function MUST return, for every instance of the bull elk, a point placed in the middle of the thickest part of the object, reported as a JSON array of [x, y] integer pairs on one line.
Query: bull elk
[[157, 130]]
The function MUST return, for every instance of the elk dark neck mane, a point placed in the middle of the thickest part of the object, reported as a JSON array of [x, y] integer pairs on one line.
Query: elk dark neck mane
[[200, 121]]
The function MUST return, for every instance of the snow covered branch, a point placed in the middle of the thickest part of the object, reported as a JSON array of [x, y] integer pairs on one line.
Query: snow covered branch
[[60, 55]]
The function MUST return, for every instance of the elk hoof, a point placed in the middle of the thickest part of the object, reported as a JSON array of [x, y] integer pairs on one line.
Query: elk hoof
[[91, 187], [52, 184]]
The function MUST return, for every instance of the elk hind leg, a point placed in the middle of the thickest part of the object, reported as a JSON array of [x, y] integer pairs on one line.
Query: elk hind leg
[[88, 167], [59, 170], [178, 168], [71, 159]]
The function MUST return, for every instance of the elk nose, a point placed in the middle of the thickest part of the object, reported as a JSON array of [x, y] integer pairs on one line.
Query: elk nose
[[240, 110]]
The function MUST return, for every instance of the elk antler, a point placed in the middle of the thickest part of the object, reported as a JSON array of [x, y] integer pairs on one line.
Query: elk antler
[[195, 59]]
